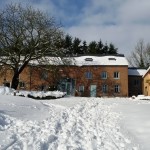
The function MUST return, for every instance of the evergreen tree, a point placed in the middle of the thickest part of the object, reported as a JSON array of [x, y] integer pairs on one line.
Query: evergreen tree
[[105, 49], [76, 46], [112, 49], [84, 48], [68, 44], [92, 48], [100, 47]]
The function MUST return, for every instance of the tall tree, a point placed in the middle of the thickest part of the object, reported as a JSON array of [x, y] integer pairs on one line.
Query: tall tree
[[84, 48], [139, 56], [146, 55], [92, 48], [26, 34], [112, 49], [105, 49], [76, 46], [68, 44], [100, 47]]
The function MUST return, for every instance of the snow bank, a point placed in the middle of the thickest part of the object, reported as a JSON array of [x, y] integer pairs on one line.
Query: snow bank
[[6, 91], [32, 94], [141, 97]]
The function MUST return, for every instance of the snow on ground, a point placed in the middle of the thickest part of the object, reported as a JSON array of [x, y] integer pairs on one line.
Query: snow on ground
[[74, 123], [134, 119]]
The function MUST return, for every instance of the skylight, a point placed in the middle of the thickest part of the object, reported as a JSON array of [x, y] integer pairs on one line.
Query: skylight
[[88, 59], [112, 59]]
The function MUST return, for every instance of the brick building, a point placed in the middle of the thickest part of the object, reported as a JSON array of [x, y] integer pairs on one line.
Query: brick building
[[85, 76], [135, 81]]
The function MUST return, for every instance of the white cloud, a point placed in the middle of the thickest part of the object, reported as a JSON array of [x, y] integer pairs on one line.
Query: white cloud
[[135, 11], [118, 21], [122, 22]]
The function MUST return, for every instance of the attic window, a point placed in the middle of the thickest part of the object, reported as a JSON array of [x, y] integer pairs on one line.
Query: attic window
[[88, 59], [112, 59]]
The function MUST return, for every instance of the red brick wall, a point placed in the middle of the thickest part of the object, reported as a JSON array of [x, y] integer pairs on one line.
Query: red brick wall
[[79, 74], [32, 78]]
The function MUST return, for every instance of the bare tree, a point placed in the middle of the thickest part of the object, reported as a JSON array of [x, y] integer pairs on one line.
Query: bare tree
[[26, 34], [147, 55], [140, 56]]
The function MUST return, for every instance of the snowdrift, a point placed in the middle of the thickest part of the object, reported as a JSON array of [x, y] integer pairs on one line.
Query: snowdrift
[[32, 94]]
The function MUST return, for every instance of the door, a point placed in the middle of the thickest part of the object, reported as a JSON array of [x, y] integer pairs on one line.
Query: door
[[93, 90], [67, 85], [68, 88]]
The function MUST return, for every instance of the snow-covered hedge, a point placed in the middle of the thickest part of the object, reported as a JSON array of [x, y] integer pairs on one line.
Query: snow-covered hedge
[[46, 95], [32, 94]]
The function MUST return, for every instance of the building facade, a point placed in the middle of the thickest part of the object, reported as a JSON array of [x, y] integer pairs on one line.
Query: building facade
[[97, 81], [93, 76]]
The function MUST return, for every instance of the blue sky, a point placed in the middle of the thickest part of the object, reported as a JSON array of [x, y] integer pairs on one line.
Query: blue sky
[[122, 22]]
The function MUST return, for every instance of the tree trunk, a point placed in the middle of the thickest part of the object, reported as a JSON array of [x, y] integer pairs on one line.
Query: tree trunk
[[15, 80], [17, 72]]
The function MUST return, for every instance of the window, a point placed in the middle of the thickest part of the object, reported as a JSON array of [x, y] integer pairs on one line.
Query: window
[[21, 84], [104, 75], [104, 88], [117, 88], [44, 75], [88, 75], [116, 75], [81, 88]]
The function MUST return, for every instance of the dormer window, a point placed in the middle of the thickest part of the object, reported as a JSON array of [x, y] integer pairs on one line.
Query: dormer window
[[88, 59]]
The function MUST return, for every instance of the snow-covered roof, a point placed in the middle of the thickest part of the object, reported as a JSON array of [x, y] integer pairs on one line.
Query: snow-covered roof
[[136, 72], [101, 60], [146, 71], [86, 61], [108, 60]]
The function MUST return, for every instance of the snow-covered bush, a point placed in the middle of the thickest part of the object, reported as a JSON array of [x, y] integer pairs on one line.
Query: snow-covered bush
[[32, 94]]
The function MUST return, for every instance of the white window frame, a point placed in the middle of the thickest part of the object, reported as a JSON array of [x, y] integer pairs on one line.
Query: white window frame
[[116, 75], [104, 88], [88, 75], [117, 88], [104, 75]]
